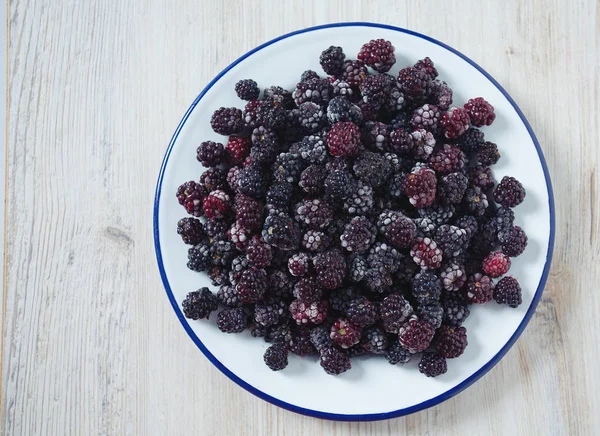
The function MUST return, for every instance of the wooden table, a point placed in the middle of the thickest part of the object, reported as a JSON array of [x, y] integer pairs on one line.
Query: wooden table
[[90, 343]]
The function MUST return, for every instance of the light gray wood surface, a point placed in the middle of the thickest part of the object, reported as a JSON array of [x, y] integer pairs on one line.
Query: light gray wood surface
[[90, 342]]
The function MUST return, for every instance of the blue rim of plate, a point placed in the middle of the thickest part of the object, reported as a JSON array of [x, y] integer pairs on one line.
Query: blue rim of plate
[[372, 416]]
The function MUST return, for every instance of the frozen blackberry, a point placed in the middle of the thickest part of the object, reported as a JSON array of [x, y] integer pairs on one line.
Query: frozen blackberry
[[271, 114], [426, 287], [448, 159], [239, 235], [514, 242], [441, 95], [312, 117], [319, 338], [432, 365], [401, 141], [452, 187], [396, 228], [508, 291], [372, 168], [407, 268], [331, 268], [313, 214], [343, 139], [475, 201], [257, 330], [216, 204], [423, 143], [307, 289], [227, 121], [488, 153], [259, 253], [199, 257], [299, 265], [332, 60], [227, 295], [378, 54], [426, 117], [309, 74], [455, 310], [383, 257], [360, 201], [280, 232], [377, 280], [264, 153], [287, 168], [375, 136], [450, 342], [340, 298], [341, 88], [308, 312], [396, 353], [277, 93], [231, 177], [471, 141], [396, 184], [291, 131], [431, 313], [222, 253], [313, 149], [199, 304], [437, 214], [394, 311], [280, 194], [340, 109], [453, 276], [276, 357], [190, 230], [425, 227], [414, 83], [251, 285], [400, 121], [280, 283], [312, 179], [250, 181], [300, 343], [334, 361], [314, 240], [374, 340], [218, 275], [216, 229], [420, 187], [210, 153], [357, 267], [250, 113], [426, 65], [426, 253], [358, 235], [481, 176], [375, 89], [316, 90], [237, 149], [345, 333], [416, 335], [501, 222], [479, 289], [455, 122], [480, 112], [248, 212], [468, 223], [361, 312], [270, 312], [338, 185], [214, 179], [451, 240], [509, 192], [191, 195], [496, 264], [247, 89], [353, 72], [232, 320], [279, 334]]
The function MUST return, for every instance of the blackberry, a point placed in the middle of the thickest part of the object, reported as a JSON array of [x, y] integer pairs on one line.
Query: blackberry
[[496, 264], [280, 194], [257, 330], [420, 187], [357, 268], [423, 143], [216, 204], [216, 229], [251, 285], [312, 117], [401, 141], [358, 235], [199, 304], [426, 117], [239, 235], [426, 65], [287, 168], [396, 228], [437, 214], [475, 201], [468, 223], [479, 289], [238, 149], [416, 335], [232, 320], [353, 72], [383, 257], [331, 268], [508, 291], [313, 214], [414, 83], [190, 195], [509, 192], [396, 353], [452, 187], [451, 240], [407, 268], [488, 153], [231, 178], [375, 89], [271, 114], [218, 275], [222, 253], [372, 168], [308, 290], [277, 93], [250, 113], [279, 334], [264, 153], [341, 88], [270, 312], [190, 230], [345, 333], [312, 179], [378, 54], [250, 181], [304, 312], [210, 153], [448, 159], [280, 232], [426, 253], [400, 121], [314, 240], [361, 312], [368, 112], [338, 185], [227, 121], [481, 176], [292, 130], [501, 222], [316, 90], [432, 365], [280, 284], [313, 149], [360, 200], [319, 338], [334, 362], [259, 253], [332, 60], [453, 276], [425, 227], [299, 265], [514, 243], [199, 257], [426, 287], [340, 109], [455, 310], [247, 89], [431, 313], [340, 298], [441, 95], [480, 112], [214, 179], [375, 136], [377, 280], [394, 311], [455, 122], [395, 100], [471, 140], [374, 340], [227, 295], [343, 139], [309, 74], [276, 357], [396, 184], [450, 342], [248, 212]]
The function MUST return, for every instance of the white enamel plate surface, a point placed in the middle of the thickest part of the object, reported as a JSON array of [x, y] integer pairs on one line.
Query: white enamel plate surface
[[373, 389]]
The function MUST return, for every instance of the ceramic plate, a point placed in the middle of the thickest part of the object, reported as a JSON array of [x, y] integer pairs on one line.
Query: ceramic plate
[[373, 389]]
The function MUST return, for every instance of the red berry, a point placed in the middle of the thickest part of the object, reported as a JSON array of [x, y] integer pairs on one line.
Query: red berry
[[448, 159], [303, 312], [378, 54], [496, 264], [426, 253], [238, 149], [455, 122], [344, 139], [420, 187], [345, 333], [416, 335], [217, 204], [480, 112]]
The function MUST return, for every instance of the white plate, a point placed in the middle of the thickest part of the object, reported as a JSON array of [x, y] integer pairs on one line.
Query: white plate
[[373, 389]]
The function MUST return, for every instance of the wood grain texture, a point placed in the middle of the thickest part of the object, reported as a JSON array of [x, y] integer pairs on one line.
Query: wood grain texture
[[90, 343]]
